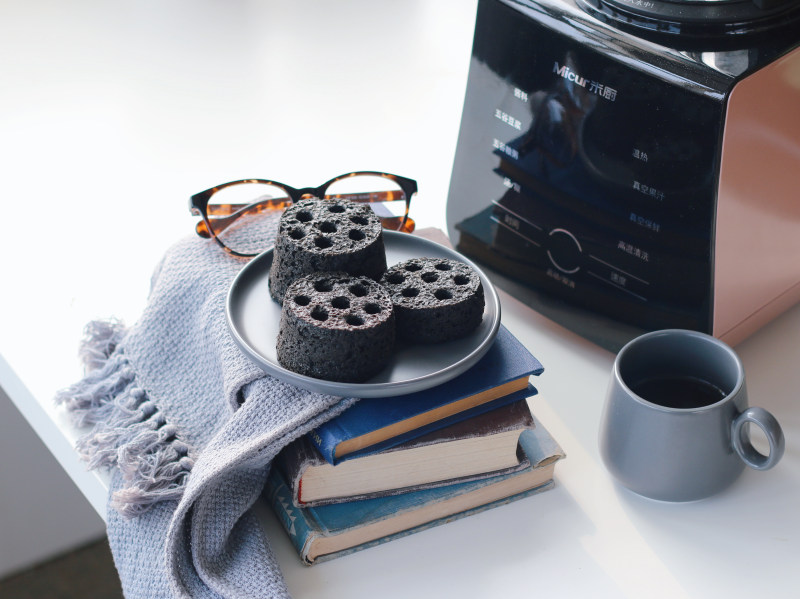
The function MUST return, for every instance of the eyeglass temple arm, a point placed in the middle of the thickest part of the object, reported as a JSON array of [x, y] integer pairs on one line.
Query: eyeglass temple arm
[[388, 222], [402, 223], [226, 214], [393, 223]]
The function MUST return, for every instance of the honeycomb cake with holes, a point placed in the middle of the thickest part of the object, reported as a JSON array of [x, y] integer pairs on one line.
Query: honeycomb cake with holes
[[337, 327], [326, 236], [435, 299]]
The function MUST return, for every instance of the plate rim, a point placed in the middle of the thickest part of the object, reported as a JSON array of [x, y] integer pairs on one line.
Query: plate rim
[[380, 389]]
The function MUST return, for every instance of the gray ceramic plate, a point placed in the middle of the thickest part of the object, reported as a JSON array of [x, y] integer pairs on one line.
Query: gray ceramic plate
[[254, 318]]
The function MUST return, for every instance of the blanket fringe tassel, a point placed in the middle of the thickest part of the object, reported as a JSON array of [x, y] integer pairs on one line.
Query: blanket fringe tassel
[[129, 432]]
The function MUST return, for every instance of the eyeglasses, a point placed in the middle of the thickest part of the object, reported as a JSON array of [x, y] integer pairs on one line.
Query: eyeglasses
[[242, 216]]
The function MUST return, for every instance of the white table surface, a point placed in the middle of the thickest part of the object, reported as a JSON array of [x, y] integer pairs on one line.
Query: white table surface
[[112, 114]]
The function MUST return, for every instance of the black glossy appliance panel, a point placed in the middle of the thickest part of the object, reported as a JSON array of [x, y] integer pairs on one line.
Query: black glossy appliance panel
[[587, 164]]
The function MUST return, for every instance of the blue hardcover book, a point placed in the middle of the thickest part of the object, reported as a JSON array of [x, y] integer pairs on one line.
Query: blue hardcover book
[[328, 531], [374, 424]]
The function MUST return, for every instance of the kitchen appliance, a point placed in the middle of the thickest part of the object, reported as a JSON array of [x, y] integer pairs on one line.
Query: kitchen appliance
[[631, 165]]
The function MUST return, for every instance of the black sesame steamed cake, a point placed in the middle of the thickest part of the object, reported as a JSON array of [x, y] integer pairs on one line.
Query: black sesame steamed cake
[[336, 327], [326, 235], [435, 299]]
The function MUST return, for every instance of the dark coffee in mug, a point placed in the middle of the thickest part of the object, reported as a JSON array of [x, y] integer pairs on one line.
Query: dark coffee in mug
[[681, 392]]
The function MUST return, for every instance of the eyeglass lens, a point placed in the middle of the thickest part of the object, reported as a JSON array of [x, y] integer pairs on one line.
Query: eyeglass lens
[[385, 196], [254, 210]]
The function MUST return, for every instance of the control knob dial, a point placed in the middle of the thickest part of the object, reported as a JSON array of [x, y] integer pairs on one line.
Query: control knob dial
[[564, 250]]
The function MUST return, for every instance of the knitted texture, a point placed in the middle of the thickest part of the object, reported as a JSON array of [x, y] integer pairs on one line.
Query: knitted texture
[[188, 426]]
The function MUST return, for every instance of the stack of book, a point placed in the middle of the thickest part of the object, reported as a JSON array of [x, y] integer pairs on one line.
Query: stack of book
[[388, 467]]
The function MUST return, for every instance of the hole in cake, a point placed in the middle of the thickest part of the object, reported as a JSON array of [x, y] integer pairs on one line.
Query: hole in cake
[[340, 302], [357, 219], [327, 227], [410, 292], [319, 313], [395, 278], [353, 320], [323, 285], [460, 279], [443, 266], [302, 300], [430, 277], [413, 267], [358, 290], [304, 216], [323, 243], [297, 233], [336, 209], [372, 308], [356, 235], [442, 294]]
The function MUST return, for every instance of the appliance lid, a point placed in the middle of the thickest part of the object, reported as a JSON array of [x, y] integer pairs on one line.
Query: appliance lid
[[731, 21]]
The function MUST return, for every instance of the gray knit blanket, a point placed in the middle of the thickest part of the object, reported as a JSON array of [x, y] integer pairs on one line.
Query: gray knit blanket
[[188, 427]]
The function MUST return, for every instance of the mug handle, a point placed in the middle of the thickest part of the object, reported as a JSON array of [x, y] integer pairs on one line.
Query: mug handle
[[767, 423]]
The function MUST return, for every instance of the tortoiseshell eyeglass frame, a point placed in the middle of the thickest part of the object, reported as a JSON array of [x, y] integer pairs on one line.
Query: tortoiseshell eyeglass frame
[[223, 215]]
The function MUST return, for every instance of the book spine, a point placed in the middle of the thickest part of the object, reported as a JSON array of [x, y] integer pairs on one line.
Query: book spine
[[293, 461], [297, 527], [326, 440]]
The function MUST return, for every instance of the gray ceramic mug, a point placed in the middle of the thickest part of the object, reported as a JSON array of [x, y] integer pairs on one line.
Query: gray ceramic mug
[[674, 425]]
